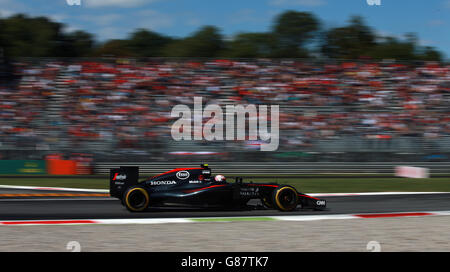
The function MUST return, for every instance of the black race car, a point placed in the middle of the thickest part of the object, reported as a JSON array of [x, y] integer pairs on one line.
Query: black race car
[[195, 187]]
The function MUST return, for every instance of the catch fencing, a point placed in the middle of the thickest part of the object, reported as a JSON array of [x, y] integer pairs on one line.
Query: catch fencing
[[277, 168]]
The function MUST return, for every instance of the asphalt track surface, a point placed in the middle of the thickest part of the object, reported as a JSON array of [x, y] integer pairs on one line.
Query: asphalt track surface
[[54, 208]]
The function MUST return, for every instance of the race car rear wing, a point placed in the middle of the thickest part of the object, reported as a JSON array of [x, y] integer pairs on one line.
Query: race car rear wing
[[122, 178]]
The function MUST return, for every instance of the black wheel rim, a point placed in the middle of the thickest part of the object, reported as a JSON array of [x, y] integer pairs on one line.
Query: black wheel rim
[[288, 199], [137, 199]]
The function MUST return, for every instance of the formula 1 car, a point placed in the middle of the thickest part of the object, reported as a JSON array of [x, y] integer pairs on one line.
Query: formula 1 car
[[196, 188]]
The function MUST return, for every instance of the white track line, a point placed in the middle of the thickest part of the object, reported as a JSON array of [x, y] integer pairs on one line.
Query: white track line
[[296, 218], [54, 189], [314, 217]]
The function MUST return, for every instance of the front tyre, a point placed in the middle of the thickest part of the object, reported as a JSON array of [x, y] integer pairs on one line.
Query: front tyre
[[285, 198], [136, 199]]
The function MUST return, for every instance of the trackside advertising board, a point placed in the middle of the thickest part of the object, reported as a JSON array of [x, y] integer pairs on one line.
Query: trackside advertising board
[[22, 167], [412, 172]]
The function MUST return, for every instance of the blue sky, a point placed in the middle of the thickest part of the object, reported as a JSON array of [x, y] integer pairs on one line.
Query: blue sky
[[108, 19]]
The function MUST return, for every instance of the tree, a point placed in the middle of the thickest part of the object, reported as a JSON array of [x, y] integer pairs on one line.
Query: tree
[[293, 30], [349, 42], [406, 49], [78, 44], [206, 42], [114, 48], [176, 48], [392, 48], [251, 45], [146, 43], [32, 37], [430, 54], [291, 36]]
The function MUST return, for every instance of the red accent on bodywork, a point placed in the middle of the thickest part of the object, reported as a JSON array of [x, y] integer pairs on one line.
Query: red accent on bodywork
[[115, 176], [308, 196], [176, 170], [265, 185], [204, 188]]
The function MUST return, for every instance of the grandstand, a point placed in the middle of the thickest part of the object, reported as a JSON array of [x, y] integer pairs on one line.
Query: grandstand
[[120, 109]]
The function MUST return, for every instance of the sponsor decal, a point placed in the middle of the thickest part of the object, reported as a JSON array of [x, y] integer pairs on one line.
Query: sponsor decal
[[248, 194], [195, 181], [206, 172], [320, 202], [163, 182], [182, 174], [249, 191], [119, 177]]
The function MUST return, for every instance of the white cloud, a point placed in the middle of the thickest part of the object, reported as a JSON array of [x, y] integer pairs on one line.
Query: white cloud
[[71, 28], [102, 20], [154, 20], [246, 16], [427, 42], [57, 17], [6, 13], [108, 33], [193, 21], [188, 18], [385, 34], [306, 3], [436, 22], [11, 7], [116, 3]]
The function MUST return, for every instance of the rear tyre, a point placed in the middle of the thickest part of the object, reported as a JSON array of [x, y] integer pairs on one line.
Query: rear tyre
[[136, 199], [285, 198]]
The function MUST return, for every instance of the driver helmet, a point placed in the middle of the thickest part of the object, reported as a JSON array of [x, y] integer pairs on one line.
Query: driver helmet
[[220, 178]]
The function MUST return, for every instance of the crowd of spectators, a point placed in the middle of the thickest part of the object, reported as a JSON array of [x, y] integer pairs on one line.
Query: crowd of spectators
[[127, 104], [23, 106]]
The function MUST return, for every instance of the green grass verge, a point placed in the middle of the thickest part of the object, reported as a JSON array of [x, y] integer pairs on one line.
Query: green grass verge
[[312, 185]]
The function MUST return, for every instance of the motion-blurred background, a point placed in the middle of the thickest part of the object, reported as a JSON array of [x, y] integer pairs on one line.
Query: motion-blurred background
[[347, 92]]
